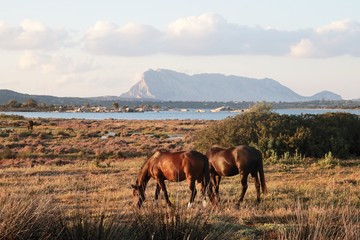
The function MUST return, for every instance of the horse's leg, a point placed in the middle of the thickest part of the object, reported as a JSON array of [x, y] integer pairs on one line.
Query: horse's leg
[[157, 191], [202, 187], [201, 184], [216, 180], [244, 187], [193, 191], [257, 186], [204, 190], [163, 188]]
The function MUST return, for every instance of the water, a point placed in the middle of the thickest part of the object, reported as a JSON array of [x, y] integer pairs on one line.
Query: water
[[164, 115]]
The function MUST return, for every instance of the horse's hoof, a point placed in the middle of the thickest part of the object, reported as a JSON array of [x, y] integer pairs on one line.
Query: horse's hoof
[[190, 205], [204, 203]]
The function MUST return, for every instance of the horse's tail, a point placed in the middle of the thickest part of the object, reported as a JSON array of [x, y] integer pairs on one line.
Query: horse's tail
[[206, 178], [206, 171], [262, 177]]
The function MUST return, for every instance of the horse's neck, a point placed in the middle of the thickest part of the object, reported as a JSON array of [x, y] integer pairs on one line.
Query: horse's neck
[[143, 177]]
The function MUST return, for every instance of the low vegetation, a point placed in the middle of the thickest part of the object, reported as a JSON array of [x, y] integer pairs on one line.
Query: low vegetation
[[311, 135], [70, 179], [83, 201], [57, 141]]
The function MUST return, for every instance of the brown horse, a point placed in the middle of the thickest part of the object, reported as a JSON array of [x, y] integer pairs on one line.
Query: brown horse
[[243, 160], [173, 166], [30, 125]]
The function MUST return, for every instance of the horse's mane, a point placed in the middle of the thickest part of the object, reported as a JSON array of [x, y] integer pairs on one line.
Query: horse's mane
[[217, 147], [156, 154]]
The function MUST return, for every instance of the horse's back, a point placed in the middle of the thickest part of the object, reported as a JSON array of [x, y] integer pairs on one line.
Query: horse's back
[[184, 158], [196, 157], [222, 161], [249, 159], [195, 163], [247, 152], [231, 161], [178, 166]]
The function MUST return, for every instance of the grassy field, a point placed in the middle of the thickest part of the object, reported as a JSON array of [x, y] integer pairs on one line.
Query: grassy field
[[85, 193]]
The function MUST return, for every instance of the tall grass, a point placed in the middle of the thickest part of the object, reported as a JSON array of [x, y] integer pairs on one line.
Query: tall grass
[[31, 217], [177, 222], [27, 217], [82, 223], [323, 223], [83, 201]]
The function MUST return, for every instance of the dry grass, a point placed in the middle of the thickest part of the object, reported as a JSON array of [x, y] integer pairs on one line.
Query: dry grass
[[62, 181], [306, 202], [57, 141]]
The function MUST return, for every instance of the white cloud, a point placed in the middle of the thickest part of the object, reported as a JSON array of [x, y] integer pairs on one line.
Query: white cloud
[[339, 38], [211, 34], [334, 39], [304, 48], [129, 40], [49, 63], [196, 35], [207, 34], [338, 26], [203, 25], [31, 35]]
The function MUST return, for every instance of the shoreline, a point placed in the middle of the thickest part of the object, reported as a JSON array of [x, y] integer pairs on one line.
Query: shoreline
[[192, 114]]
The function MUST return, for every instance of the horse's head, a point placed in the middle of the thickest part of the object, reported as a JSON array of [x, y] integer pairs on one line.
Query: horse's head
[[138, 194]]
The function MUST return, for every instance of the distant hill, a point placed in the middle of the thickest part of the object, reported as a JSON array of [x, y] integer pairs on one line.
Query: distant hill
[[6, 95], [325, 95], [107, 101], [169, 85]]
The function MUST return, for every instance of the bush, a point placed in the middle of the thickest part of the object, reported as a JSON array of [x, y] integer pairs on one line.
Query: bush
[[6, 152], [328, 161], [274, 134]]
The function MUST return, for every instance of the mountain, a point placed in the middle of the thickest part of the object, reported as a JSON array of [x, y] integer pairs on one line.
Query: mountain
[[168, 85], [325, 95], [6, 95]]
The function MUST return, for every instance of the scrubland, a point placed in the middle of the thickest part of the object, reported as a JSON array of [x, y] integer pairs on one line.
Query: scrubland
[[70, 179]]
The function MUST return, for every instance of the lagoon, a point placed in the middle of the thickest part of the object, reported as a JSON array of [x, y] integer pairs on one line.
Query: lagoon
[[191, 114]]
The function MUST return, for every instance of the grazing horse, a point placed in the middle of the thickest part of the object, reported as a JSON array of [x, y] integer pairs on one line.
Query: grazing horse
[[30, 125], [173, 166], [243, 160]]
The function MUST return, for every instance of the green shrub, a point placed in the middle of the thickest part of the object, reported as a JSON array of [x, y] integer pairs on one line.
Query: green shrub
[[4, 134], [328, 161], [25, 134], [297, 135]]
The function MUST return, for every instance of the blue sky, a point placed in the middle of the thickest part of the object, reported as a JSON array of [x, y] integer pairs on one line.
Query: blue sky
[[92, 48]]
